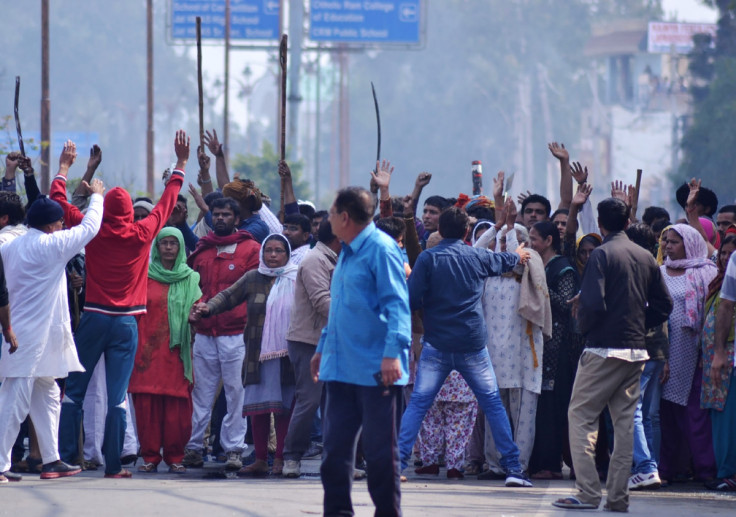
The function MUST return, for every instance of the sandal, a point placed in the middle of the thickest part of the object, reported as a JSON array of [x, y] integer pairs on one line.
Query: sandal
[[573, 503], [547, 475], [177, 468], [148, 467]]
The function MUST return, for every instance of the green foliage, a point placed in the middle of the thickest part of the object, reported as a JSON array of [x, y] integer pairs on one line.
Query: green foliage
[[709, 145], [263, 170]]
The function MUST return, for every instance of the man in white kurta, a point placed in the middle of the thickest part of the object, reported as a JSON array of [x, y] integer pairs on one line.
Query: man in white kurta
[[39, 311]]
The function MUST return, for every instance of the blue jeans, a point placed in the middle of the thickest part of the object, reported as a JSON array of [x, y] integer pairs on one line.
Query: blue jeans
[[475, 367], [646, 420], [117, 338]]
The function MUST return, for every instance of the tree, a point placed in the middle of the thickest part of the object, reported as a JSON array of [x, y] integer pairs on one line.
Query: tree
[[709, 144], [263, 171]]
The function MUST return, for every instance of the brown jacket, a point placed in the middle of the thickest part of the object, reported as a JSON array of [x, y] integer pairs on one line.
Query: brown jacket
[[312, 295]]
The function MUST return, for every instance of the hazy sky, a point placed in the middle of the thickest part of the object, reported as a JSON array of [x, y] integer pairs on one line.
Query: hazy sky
[[689, 11]]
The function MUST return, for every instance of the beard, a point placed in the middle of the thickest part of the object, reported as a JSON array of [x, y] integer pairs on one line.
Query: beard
[[222, 230]]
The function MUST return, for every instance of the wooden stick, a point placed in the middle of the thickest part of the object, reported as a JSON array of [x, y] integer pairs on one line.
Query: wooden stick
[[199, 82], [636, 188], [282, 61]]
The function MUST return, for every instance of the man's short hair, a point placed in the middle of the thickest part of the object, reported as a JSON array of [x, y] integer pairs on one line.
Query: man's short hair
[[300, 220], [397, 205], [558, 212], [453, 223], [705, 197], [324, 234], [651, 213], [323, 214], [357, 202], [438, 201], [613, 214], [210, 198], [730, 209], [307, 210], [226, 202], [642, 234], [482, 213], [182, 199], [11, 205], [393, 226], [537, 198]]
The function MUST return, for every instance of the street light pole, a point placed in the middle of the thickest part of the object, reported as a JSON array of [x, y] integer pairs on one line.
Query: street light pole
[[149, 97], [45, 99]]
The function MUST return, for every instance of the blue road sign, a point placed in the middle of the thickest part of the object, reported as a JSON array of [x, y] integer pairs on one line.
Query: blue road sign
[[365, 21], [249, 19]]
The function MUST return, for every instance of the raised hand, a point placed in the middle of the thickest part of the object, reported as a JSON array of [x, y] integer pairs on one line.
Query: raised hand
[[423, 180], [582, 195], [579, 173], [511, 213], [25, 164], [284, 170], [618, 191], [693, 194], [559, 151], [95, 157], [213, 144], [12, 160], [68, 155], [97, 187], [521, 197], [523, 253], [198, 199], [498, 185], [181, 147], [203, 159], [382, 175]]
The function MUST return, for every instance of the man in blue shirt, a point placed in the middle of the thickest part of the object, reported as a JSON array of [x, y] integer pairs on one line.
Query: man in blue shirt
[[363, 357], [447, 282]]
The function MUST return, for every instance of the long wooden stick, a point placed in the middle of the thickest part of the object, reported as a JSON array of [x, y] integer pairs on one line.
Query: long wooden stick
[[637, 187], [199, 82], [282, 61]]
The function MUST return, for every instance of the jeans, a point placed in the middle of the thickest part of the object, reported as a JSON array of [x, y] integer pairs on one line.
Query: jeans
[[475, 367], [117, 338], [349, 408], [646, 455]]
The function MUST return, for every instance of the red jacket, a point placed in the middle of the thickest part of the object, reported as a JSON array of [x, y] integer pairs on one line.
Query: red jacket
[[217, 273], [117, 258]]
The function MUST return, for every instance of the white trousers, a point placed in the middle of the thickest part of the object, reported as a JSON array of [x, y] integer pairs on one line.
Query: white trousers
[[38, 396], [521, 406], [95, 411], [218, 359]]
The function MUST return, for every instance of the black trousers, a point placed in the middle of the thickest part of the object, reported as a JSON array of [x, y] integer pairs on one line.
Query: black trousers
[[349, 408]]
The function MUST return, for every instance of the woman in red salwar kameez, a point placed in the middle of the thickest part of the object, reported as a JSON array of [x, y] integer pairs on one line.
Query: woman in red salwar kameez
[[162, 376]]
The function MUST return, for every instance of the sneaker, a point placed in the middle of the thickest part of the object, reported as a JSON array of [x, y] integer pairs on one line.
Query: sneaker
[[10, 476], [649, 481], [292, 469], [193, 459], [517, 479], [59, 469], [314, 452], [233, 462]]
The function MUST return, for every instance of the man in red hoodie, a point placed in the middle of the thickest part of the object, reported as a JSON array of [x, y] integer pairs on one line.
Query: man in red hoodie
[[117, 270]]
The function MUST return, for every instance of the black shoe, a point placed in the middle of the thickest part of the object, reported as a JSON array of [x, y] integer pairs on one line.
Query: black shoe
[[59, 469], [490, 475], [128, 459], [11, 476]]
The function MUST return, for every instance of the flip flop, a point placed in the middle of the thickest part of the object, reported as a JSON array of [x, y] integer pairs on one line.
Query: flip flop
[[573, 503]]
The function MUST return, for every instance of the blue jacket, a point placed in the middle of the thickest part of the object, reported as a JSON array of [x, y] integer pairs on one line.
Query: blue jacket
[[369, 315], [447, 282]]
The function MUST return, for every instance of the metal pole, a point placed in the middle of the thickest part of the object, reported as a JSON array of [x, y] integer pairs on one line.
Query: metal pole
[[226, 107], [149, 97], [344, 122], [296, 30], [317, 128], [45, 99]]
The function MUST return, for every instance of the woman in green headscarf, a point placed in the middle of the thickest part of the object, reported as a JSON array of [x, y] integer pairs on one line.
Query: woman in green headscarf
[[162, 376]]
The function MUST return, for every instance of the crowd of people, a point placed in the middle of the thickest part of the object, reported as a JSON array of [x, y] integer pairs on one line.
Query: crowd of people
[[497, 342]]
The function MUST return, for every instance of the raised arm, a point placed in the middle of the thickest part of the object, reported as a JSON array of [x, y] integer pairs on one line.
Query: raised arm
[[578, 200], [68, 243], [692, 213], [29, 179], [215, 147], [411, 237], [11, 165], [290, 204], [72, 215], [203, 178], [80, 194], [559, 152], [382, 178], [422, 181]]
